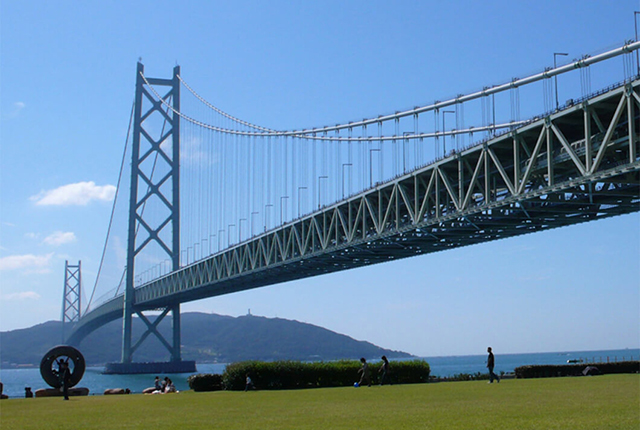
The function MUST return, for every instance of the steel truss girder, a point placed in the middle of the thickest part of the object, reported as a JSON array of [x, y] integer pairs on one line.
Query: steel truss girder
[[547, 174]]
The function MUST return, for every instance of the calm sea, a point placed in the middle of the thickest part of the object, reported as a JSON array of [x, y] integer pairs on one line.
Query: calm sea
[[15, 380]]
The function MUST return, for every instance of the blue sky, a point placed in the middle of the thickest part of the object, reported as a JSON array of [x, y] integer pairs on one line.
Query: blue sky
[[67, 82]]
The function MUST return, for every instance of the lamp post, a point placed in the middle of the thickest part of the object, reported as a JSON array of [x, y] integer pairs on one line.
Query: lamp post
[[404, 141], [266, 214], [240, 229], [635, 26], [220, 237], [444, 129], [252, 214], [343, 166], [371, 151], [229, 234], [319, 183], [211, 236], [300, 188], [282, 208], [203, 250], [555, 78]]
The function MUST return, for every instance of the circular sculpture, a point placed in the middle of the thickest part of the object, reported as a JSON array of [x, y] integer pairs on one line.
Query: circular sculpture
[[51, 362]]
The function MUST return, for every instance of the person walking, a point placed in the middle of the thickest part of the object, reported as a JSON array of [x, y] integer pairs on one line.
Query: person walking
[[384, 369], [491, 362], [366, 374]]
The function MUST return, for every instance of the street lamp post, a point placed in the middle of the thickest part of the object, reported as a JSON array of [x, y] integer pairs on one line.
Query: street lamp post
[[635, 26], [343, 166], [444, 129], [300, 188], [219, 238], [266, 214], [555, 78], [371, 151], [240, 228], [252, 214], [319, 183], [282, 208], [229, 234], [404, 141]]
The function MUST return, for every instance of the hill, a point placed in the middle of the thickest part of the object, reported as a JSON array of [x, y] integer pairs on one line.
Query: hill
[[205, 338]]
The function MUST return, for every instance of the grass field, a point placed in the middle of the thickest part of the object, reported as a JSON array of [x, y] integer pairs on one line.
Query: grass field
[[602, 402]]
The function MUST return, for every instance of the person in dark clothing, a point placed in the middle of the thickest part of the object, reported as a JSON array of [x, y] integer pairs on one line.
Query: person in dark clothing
[[384, 369], [366, 374], [491, 362], [249, 384], [64, 374], [157, 384]]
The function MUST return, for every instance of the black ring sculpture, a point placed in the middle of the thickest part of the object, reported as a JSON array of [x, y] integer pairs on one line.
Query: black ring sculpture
[[49, 365]]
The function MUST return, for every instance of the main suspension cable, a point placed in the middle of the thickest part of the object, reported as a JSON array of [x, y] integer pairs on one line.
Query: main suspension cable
[[113, 207]]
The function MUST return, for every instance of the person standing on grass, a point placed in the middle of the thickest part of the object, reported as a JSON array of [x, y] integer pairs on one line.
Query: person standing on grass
[[384, 369], [491, 362], [64, 374], [249, 384], [366, 374]]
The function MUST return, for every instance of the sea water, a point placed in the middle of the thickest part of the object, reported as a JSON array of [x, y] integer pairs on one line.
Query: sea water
[[15, 380]]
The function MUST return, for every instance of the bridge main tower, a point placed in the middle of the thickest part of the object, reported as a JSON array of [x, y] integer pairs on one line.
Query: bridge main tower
[[155, 189]]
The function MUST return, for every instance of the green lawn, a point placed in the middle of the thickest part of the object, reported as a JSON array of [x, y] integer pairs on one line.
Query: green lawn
[[601, 402]]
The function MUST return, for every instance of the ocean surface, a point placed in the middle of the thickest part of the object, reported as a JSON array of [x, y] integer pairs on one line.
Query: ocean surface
[[15, 380]]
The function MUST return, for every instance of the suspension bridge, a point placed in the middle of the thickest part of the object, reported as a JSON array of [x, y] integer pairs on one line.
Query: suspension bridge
[[217, 204]]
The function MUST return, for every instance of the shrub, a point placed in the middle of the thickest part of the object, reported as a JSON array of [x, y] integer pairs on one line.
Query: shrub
[[546, 371], [205, 382], [295, 374]]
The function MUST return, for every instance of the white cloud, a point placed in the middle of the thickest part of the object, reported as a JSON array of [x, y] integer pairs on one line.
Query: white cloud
[[78, 194], [27, 295], [60, 238], [36, 263], [17, 108]]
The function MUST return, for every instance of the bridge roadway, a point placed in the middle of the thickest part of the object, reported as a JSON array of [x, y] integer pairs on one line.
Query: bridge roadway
[[576, 165]]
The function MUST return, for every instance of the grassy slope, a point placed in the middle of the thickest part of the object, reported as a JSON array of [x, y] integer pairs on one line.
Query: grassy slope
[[603, 402]]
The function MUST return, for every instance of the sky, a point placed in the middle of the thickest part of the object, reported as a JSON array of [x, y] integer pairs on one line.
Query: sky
[[67, 77]]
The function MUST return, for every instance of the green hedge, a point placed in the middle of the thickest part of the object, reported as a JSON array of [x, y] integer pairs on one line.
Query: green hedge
[[546, 371], [295, 374], [205, 382]]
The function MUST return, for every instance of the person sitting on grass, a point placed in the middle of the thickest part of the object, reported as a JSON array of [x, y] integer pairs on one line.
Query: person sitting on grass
[[170, 388]]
